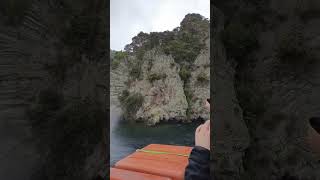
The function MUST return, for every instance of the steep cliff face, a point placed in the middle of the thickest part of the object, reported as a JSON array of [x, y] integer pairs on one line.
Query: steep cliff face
[[164, 76], [118, 79], [162, 89], [275, 81], [199, 84]]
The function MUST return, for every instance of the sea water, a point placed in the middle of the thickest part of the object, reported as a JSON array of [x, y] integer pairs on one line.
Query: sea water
[[126, 137]]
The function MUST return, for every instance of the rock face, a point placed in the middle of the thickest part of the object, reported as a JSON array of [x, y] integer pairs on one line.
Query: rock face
[[118, 78], [276, 99], [163, 91], [168, 82], [164, 98], [199, 84]]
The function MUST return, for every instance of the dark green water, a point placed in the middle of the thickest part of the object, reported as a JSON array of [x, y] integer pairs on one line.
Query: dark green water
[[125, 138]]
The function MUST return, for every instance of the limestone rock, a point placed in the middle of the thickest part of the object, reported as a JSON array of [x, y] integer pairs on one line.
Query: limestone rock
[[118, 78], [164, 98], [199, 84]]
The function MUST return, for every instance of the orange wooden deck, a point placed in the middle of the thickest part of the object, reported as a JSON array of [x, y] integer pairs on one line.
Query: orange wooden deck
[[170, 165]]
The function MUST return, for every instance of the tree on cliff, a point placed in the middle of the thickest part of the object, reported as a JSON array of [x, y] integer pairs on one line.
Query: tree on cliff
[[183, 43]]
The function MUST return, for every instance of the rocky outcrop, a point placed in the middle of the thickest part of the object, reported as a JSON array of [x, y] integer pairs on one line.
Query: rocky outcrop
[[199, 84], [118, 79], [162, 89], [164, 97], [164, 76]]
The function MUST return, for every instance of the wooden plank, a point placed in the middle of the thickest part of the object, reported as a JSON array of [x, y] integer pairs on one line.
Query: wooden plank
[[121, 174], [169, 165]]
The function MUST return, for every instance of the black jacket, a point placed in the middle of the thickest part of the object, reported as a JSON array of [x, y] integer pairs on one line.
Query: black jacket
[[199, 164]]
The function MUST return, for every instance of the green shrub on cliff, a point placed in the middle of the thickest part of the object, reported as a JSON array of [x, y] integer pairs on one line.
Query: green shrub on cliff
[[202, 77], [115, 64], [117, 58], [178, 49], [184, 73], [131, 103], [189, 98], [189, 39], [183, 43], [154, 77], [120, 55], [135, 71], [124, 95]]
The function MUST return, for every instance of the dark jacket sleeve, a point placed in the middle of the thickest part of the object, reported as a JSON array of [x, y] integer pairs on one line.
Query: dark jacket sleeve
[[199, 164]]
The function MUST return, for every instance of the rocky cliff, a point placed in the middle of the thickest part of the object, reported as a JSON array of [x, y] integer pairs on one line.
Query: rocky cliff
[[162, 89], [118, 79], [162, 83], [199, 84], [267, 56]]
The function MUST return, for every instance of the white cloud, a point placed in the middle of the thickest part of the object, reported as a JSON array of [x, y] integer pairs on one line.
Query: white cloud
[[129, 17]]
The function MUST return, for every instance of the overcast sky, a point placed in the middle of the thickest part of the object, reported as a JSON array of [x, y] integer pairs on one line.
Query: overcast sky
[[129, 17]]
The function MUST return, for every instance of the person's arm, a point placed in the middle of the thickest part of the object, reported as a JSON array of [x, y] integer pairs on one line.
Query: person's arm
[[199, 159], [199, 164]]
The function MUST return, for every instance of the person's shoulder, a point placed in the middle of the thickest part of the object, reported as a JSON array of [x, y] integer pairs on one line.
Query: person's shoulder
[[201, 149], [200, 153]]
